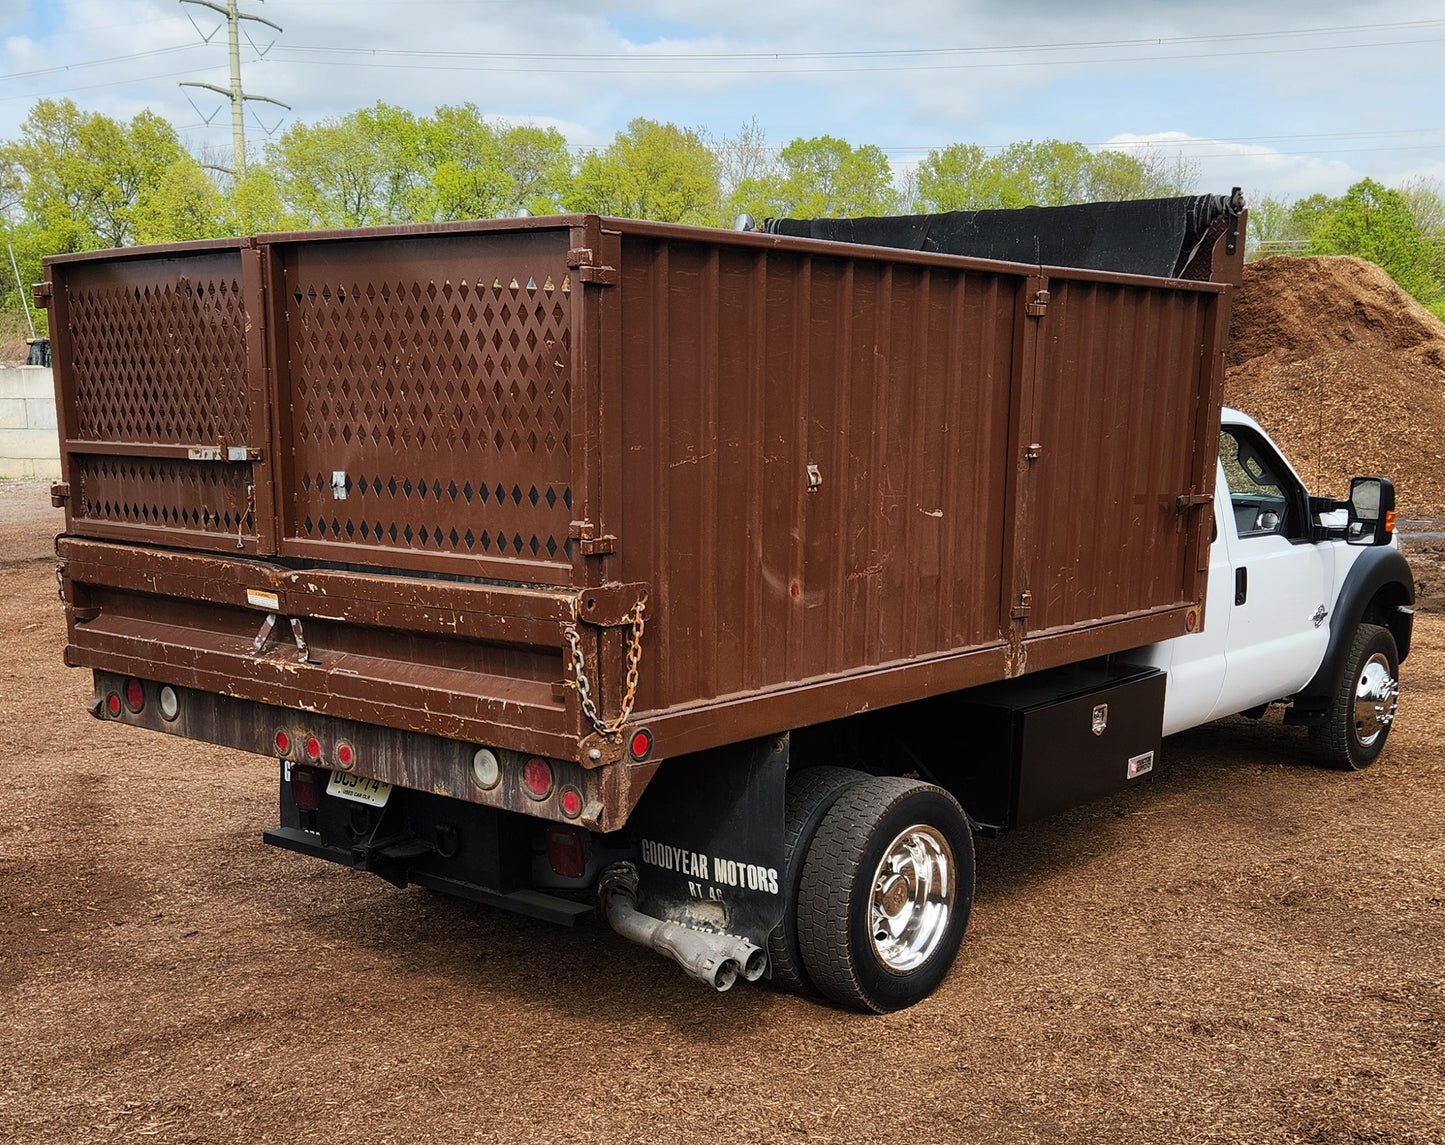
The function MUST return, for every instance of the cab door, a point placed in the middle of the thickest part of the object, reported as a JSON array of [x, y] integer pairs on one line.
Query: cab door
[[1280, 583]]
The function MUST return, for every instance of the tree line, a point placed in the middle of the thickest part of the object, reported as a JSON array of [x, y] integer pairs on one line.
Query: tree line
[[79, 180]]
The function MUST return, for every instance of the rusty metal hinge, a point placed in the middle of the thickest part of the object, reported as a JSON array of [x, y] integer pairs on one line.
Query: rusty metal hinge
[[590, 271], [1022, 606], [41, 292], [59, 494]]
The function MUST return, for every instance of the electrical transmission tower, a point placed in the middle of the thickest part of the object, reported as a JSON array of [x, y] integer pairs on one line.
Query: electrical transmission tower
[[235, 93]]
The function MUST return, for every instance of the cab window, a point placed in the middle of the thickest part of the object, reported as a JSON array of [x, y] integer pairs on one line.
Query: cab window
[[1265, 499]]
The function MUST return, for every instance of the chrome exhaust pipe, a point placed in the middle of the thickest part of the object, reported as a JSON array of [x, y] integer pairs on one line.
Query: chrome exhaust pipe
[[715, 960]]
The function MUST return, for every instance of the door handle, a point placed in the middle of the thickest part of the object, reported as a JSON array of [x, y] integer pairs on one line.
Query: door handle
[[1241, 585]]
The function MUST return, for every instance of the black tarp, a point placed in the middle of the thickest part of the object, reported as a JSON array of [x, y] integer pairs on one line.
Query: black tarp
[[1143, 236]]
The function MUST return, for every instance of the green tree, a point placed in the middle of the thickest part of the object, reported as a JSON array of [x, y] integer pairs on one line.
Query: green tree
[[184, 204], [650, 171], [1376, 223], [1051, 173], [748, 168], [476, 170], [825, 176], [953, 179], [80, 177], [362, 169], [253, 203]]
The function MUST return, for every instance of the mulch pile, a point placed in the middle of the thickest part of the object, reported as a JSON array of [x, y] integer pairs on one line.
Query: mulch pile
[[1347, 373]]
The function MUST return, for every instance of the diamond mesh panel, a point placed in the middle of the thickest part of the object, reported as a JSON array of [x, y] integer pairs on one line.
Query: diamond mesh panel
[[444, 402], [145, 492], [161, 359]]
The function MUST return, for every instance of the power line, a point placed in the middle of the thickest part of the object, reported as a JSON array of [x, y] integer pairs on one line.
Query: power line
[[687, 64], [1151, 41], [97, 63]]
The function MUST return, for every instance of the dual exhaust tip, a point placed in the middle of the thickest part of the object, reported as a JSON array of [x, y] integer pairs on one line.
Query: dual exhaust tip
[[715, 960]]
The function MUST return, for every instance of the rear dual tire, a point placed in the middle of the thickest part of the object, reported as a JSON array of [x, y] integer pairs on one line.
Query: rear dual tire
[[885, 894]]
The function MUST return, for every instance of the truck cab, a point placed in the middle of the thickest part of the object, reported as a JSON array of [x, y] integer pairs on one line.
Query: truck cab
[[1288, 591]]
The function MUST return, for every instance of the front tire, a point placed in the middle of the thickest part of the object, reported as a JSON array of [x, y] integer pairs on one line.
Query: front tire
[[885, 896], [1359, 719]]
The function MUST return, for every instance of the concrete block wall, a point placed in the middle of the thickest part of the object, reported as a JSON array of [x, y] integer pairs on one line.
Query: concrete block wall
[[29, 445]]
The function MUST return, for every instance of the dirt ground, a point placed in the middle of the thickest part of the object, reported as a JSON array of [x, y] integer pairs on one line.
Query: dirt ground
[[1243, 949]]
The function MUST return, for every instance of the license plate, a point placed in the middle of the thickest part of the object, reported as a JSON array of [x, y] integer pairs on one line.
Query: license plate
[[358, 788]]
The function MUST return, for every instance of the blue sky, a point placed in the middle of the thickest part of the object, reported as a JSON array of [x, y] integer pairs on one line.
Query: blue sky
[[1286, 98]]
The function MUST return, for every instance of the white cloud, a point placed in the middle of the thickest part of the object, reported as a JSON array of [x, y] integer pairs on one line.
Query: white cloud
[[1301, 120]]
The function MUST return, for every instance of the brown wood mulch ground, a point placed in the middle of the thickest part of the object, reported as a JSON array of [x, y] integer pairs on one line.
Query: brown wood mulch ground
[[1245, 949]]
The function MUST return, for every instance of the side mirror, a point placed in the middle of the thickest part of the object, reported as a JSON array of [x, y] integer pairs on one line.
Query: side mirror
[[1372, 511]]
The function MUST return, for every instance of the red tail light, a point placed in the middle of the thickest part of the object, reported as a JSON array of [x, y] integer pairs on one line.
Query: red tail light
[[283, 743], [566, 852], [112, 704], [641, 745], [313, 748], [135, 694], [305, 790], [537, 778], [571, 800]]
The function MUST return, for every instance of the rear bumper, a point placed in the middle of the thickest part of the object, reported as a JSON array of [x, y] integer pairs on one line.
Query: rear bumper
[[413, 760]]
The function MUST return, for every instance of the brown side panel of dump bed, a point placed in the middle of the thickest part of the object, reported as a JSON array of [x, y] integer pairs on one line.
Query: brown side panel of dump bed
[[424, 392], [815, 458], [850, 479], [1122, 375], [163, 424]]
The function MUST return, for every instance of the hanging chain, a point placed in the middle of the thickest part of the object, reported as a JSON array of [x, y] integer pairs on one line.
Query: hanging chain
[[634, 662]]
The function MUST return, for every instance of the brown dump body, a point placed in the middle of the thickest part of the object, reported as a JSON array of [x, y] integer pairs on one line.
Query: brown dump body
[[839, 477]]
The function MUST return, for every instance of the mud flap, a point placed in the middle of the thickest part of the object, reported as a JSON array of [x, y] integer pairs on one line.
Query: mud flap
[[710, 840]]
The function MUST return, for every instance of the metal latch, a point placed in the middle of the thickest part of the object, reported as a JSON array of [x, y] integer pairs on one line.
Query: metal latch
[[587, 544], [222, 453], [41, 292], [588, 270], [1039, 306], [1022, 606]]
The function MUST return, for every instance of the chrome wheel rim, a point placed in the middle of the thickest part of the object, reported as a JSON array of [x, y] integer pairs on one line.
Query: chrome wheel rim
[[1377, 694], [912, 899]]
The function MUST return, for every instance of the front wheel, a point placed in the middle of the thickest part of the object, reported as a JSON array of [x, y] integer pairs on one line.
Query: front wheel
[[885, 894], [1359, 719]]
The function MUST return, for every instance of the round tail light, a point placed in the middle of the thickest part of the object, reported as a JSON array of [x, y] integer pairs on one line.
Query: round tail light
[[283, 743], [486, 771], [571, 801], [135, 695], [537, 778], [345, 756], [170, 703], [313, 748], [641, 745], [112, 704]]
